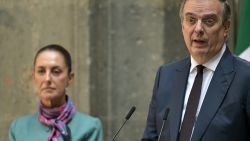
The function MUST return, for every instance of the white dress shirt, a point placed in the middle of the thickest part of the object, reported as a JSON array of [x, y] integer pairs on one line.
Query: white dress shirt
[[208, 73]]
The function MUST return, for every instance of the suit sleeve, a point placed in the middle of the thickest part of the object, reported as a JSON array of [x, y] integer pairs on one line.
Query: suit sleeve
[[150, 132], [248, 108]]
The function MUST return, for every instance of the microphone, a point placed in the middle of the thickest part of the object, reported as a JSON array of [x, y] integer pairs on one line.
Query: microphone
[[126, 119], [165, 117]]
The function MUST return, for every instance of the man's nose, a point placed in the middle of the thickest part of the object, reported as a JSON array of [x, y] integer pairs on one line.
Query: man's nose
[[199, 27]]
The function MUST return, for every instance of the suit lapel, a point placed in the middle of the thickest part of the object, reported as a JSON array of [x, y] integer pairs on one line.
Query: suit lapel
[[216, 92], [180, 82]]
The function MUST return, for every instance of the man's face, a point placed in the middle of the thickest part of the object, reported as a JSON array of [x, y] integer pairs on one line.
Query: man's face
[[51, 77], [203, 28]]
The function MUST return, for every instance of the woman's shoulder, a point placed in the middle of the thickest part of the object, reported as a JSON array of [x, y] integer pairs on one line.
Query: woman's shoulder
[[86, 127], [86, 120], [22, 125], [85, 117], [25, 119]]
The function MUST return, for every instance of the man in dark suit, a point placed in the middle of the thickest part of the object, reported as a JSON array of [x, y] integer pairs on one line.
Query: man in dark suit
[[208, 93]]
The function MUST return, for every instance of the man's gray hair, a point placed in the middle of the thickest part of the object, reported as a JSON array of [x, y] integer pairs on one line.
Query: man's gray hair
[[226, 10]]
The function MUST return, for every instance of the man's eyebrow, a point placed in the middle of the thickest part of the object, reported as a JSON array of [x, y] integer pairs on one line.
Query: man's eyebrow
[[210, 15], [189, 14], [205, 15]]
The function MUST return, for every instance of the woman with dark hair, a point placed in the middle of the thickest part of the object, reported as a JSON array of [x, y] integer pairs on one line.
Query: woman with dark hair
[[57, 118]]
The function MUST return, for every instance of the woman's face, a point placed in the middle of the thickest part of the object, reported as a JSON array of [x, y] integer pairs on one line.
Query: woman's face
[[51, 77]]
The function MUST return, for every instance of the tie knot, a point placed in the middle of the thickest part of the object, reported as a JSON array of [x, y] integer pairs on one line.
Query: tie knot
[[200, 68]]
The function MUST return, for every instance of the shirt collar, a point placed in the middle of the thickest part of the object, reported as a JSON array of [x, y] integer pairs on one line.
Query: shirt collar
[[212, 63]]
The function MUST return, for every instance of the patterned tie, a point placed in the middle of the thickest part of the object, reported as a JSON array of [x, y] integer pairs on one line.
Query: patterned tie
[[193, 101]]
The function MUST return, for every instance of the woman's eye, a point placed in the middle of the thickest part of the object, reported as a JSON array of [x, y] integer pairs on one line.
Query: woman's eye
[[40, 71], [57, 72]]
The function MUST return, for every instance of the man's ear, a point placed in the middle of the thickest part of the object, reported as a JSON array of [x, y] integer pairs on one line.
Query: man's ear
[[227, 26]]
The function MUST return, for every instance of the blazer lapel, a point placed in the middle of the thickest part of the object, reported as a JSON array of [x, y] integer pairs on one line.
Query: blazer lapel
[[216, 92], [180, 83]]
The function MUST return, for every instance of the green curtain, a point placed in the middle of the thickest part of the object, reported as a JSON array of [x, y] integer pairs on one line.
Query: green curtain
[[243, 35]]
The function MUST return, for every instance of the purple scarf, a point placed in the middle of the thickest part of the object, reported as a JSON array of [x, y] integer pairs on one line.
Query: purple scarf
[[57, 118]]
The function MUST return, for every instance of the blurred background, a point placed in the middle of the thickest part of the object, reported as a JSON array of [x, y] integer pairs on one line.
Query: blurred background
[[116, 47]]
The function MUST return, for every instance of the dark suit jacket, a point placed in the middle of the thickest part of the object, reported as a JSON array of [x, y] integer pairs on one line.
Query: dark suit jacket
[[225, 112]]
